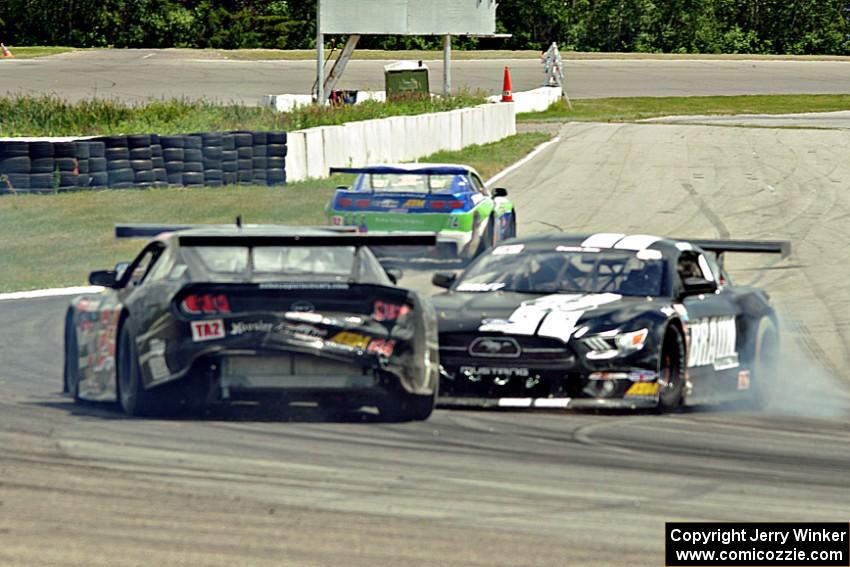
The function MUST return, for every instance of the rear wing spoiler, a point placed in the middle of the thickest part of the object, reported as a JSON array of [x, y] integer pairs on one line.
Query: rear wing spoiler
[[388, 169], [330, 239], [154, 230], [720, 247]]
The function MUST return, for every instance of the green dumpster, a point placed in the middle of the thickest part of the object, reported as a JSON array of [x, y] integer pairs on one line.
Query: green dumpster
[[406, 79]]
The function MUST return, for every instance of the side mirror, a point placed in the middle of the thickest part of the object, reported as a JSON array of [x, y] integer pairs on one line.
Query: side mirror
[[342, 187], [500, 192], [394, 274], [698, 286], [104, 278], [444, 279]]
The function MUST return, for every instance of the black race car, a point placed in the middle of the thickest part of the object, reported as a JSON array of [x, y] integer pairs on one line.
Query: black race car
[[606, 320], [228, 313]]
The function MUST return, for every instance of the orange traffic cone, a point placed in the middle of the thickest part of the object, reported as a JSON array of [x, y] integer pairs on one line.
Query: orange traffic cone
[[6, 52], [507, 93]]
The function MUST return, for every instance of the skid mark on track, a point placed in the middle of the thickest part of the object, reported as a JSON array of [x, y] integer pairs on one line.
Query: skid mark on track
[[709, 214]]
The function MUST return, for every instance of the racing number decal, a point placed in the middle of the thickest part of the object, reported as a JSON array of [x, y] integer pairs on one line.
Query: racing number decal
[[712, 341], [207, 330]]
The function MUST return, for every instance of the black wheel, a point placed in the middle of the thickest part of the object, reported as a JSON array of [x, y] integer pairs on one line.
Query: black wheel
[[486, 239], [134, 399], [671, 376], [764, 364], [511, 226], [71, 375], [402, 406]]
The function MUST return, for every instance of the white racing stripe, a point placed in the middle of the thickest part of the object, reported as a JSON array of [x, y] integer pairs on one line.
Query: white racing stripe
[[533, 402], [637, 242], [602, 240], [515, 402], [52, 292], [556, 315]]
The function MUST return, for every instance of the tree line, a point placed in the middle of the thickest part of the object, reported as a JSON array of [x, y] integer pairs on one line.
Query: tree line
[[669, 26]]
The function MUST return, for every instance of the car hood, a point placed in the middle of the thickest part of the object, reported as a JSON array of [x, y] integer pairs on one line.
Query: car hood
[[555, 316]]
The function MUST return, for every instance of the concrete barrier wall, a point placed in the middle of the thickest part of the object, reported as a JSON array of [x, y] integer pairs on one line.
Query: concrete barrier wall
[[395, 139], [536, 100]]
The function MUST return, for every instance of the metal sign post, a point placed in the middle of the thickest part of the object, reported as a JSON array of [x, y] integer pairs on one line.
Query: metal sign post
[[320, 56], [447, 64]]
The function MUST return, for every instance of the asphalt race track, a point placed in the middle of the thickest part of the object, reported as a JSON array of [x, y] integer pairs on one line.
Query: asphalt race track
[[81, 485], [138, 74]]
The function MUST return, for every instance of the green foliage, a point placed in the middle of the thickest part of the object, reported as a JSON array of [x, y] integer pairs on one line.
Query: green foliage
[[670, 26], [24, 115]]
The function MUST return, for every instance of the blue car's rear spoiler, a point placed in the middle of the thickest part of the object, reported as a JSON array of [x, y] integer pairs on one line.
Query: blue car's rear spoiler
[[387, 169]]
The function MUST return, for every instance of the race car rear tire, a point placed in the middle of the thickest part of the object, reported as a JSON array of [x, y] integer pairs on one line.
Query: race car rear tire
[[134, 399], [671, 376], [511, 232], [401, 407], [71, 374], [764, 364], [487, 239]]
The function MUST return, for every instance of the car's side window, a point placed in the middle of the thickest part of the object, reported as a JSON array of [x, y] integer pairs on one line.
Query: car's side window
[[142, 265], [689, 266], [162, 265], [478, 185]]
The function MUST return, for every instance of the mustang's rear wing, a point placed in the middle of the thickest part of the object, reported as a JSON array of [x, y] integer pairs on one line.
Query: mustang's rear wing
[[353, 239], [720, 247], [152, 230]]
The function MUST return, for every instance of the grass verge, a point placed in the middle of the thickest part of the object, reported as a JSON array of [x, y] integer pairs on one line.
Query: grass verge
[[638, 108], [25, 115], [37, 51], [55, 240]]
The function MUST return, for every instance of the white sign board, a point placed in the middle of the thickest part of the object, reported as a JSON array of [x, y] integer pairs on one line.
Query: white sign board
[[408, 17]]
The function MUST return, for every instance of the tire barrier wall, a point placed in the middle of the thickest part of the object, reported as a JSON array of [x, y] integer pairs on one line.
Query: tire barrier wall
[[142, 160], [399, 138]]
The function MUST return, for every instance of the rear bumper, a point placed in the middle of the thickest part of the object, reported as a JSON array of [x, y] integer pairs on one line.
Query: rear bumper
[[294, 373]]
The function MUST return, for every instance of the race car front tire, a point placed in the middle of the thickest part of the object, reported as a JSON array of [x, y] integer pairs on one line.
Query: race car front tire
[[672, 370], [71, 378], [401, 406]]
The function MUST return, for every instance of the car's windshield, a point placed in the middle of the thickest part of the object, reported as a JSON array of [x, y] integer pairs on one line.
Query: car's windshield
[[566, 269], [295, 261], [406, 183]]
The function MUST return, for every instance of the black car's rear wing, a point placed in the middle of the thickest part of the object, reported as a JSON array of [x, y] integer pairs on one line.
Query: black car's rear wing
[[330, 239], [152, 230], [720, 247]]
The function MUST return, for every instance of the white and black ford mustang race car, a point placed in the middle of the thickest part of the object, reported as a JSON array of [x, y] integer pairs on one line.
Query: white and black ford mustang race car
[[605, 320]]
